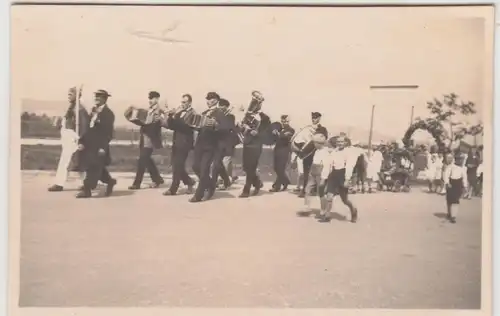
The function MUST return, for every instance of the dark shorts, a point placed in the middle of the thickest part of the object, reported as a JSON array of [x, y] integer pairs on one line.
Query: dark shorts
[[454, 192], [335, 183]]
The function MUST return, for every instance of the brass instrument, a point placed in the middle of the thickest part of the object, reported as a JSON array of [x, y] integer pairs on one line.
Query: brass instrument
[[251, 120]]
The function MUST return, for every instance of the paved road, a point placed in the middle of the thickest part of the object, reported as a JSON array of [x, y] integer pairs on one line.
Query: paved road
[[143, 249]]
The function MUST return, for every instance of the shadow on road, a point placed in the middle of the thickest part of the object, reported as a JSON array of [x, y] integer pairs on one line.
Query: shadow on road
[[441, 215]]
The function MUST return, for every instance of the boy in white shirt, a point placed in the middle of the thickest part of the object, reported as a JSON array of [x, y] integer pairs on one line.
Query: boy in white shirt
[[455, 181], [320, 160], [336, 176]]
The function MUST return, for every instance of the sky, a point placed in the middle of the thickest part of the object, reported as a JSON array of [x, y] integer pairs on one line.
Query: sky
[[301, 59]]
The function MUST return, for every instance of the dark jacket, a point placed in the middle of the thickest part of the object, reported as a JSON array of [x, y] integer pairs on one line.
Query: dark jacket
[[99, 134], [282, 140], [210, 137], [151, 130], [83, 119], [226, 130], [257, 140], [183, 133]]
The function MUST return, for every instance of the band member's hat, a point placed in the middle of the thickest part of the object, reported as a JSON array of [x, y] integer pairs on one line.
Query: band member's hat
[[212, 95], [153, 94], [319, 138], [224, 102], [284, 117], [315, 115], [102, 93]]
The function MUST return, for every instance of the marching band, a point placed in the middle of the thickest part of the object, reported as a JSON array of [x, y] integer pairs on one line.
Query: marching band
[[325, 165]]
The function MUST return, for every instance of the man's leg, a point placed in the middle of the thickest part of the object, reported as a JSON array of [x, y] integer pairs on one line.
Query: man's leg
[[249, 174], [154, 173], [205, 180], [106, 179], [307, 163], [62, 168], [283, 157], [257, 183], [142, 164]]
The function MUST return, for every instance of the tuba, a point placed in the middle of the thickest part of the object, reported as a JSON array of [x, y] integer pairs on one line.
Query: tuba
[[252, 117]]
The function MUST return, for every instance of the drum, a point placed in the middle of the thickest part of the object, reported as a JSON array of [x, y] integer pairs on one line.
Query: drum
[[306, 149], [57, 121], [136, 116]]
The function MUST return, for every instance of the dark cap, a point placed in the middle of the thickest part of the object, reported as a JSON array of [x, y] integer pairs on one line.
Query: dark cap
[[212, 95], [315, 115], [153, 94], [224, 103], [102, 93], [284, 117]]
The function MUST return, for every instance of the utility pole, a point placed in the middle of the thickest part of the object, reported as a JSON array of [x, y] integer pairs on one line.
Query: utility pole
[[411, 117], [371, 131]]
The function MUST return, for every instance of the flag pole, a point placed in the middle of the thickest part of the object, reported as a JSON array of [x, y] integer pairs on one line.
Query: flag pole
[[371, 131]]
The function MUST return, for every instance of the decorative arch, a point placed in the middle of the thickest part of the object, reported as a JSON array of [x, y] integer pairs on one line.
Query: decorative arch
[[432, 127]]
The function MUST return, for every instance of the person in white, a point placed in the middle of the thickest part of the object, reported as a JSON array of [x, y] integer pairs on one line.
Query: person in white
[[321, 158], [374, 166], [336, 176], [455, 181], [300, 171], [70, 137]]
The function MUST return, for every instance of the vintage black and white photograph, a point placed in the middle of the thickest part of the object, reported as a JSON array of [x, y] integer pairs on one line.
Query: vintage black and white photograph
[[252, 156]]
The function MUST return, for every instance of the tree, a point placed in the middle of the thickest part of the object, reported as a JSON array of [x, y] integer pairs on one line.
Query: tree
[[443, 122]]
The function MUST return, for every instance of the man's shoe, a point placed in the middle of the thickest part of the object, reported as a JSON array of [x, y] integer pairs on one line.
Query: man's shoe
[[55, 188], [83, 194], [134, 187], [110, 186]]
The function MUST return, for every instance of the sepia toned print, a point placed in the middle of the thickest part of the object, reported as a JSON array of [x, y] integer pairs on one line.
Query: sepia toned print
[[253, 157]]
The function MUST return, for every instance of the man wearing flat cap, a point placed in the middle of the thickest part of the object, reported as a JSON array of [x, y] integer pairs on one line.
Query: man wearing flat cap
[[283, 133], [94, 145], [307, 162], [150, 140], [205, 149], [69, 138]]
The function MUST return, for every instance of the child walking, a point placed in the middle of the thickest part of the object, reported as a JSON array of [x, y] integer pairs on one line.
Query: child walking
[[455, 181]]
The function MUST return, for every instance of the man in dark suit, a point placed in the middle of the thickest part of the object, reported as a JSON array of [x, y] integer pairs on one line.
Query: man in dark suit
[[253, 142], [225, 146], [283, 132], [95, 146], [182, 144], [307, 162], [205, 147], [149, 141]]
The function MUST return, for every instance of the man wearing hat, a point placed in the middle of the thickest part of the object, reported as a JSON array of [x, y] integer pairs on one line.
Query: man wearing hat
[[283, 133], [204, 151], [182, 143], [94, 145], [69, 139], [307, 162], [222, 165], [150, 140]]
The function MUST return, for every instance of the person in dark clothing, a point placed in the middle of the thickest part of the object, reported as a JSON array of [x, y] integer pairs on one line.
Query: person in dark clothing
[[183, 140], [283, 133], [95, 146], [252, 149], [225, 146], [149, 141], [206, 146], [307, 162], [472, 162]]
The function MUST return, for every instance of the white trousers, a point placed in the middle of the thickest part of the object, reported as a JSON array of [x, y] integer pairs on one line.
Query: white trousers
[[69, 143]]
